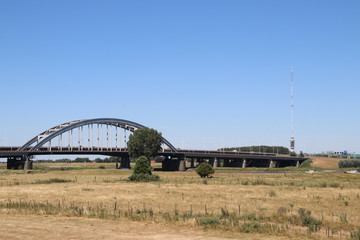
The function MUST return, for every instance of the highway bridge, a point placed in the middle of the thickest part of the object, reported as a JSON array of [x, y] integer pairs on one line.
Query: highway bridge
[[108, 136]]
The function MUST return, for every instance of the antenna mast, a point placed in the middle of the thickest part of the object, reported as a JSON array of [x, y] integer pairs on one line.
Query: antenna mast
[[292, 139]]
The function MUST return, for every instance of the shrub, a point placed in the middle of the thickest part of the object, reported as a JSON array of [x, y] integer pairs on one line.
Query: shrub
[[349, 163], [250, 227], [144, 178], [272, 193], [208, 221], [307, 220], [204, 170], [142, 171], [142, 166]]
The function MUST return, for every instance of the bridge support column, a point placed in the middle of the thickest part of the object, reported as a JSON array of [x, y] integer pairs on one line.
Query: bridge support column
[[182, 166], [244, 163], [297, 164], [125, 162], [215, 162], [272, 164], [28, 164]]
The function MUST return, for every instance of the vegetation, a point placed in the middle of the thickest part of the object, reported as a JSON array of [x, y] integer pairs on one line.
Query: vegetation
[[349, 163], [293, 154], [306, 163], [142, 171], [111, 159], [144, 142], [204, 170], [262, 148], [355, 234], [297, 205], [52, 180], [82, 160]]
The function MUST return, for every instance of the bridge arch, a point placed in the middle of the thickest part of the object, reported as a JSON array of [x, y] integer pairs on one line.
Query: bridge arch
[[46, 136]]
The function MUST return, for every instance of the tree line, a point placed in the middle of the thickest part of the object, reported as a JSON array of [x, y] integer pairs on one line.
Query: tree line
[[261, 148], [77, 160]]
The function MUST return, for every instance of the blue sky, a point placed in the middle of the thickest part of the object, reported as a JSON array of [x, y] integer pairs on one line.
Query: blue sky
[[207, 74]]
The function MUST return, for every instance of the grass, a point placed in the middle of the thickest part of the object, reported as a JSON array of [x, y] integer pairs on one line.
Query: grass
[[52, 180], [232, 202]]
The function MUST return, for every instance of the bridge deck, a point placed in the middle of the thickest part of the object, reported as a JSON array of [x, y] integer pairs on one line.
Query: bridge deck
[[12, 151]]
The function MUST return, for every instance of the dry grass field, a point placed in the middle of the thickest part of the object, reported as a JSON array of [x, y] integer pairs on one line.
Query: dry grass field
[[325, 162], [73, 201]]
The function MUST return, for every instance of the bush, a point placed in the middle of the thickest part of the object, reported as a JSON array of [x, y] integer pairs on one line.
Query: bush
[[142, 171], [204, 170], [209, 221], [349, 163], [144, 178], [142, 166], [307, 220], [250, 227]]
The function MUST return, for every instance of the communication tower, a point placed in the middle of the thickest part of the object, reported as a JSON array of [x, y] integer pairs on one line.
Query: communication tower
[[292, 139]]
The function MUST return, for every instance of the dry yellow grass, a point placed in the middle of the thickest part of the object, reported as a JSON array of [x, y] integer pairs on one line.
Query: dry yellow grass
[[329, 197], [58, 228], [325, 162]]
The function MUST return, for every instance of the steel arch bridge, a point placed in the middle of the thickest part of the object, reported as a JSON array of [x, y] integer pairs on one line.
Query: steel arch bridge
[[47, 136], [86, 137]]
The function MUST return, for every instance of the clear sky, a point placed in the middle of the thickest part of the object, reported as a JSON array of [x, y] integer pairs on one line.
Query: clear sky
[[207, 74]]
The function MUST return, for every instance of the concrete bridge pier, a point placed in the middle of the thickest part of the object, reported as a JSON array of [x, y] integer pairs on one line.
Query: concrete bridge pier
[[215, 163], [182, 164], [28, 164], [272, 164], [244, 163], [297, 164]]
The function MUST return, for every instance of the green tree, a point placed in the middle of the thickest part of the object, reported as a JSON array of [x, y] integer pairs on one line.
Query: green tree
[[142, 171], [204, 170], [144, 142], [293, 154]]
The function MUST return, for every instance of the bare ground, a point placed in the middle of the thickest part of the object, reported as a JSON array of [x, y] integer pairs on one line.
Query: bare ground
[[49, 227]]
